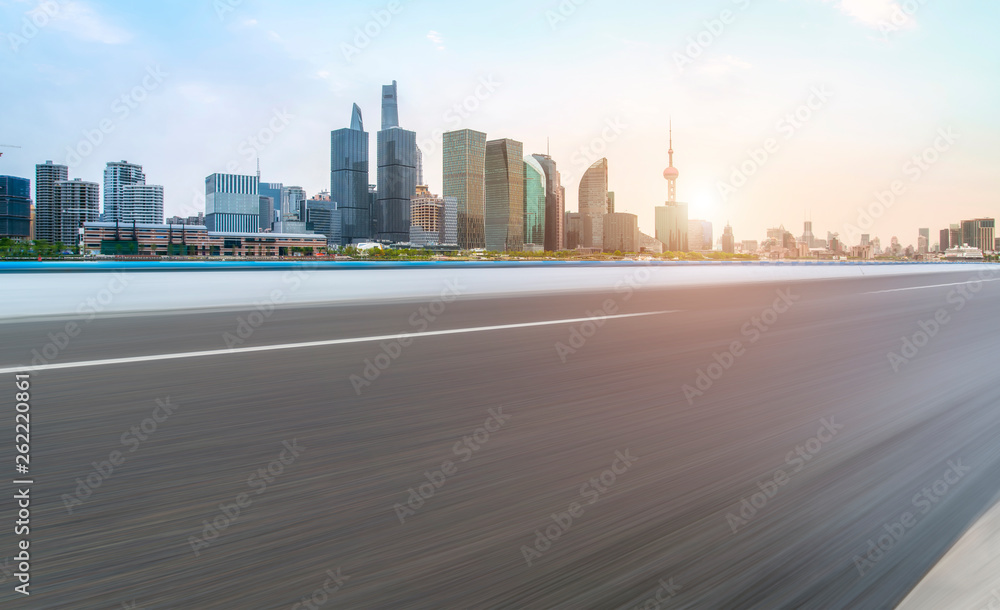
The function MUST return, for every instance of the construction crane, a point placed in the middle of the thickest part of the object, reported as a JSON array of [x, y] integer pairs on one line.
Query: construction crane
[[7, 146]]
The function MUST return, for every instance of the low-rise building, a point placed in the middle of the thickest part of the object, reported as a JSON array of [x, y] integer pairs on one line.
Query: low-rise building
[[119, 238]]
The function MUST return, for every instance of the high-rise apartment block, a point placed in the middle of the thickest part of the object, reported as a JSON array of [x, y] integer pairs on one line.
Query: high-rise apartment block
[[435, 219], [63, 205], [142, 203], [118, 175], [46, 211], [76, 202]]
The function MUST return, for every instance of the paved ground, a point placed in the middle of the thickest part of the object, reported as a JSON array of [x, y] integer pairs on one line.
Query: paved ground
[[816, 378]]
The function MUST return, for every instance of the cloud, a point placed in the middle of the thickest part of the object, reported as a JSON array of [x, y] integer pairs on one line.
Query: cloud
[[437, 39], [877, 13], [82, 21]]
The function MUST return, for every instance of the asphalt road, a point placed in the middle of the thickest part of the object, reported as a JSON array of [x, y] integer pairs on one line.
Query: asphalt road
[[562, 409]]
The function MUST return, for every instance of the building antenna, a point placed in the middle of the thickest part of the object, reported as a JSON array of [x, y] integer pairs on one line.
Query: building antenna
[[548, 147], [258, 169]]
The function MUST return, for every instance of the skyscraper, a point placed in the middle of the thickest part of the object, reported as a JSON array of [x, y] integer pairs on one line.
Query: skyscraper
[[232, 203], [611, 202], [924, 241], [504, 195], [323, 217], [46, 210], [807, 234], [266, 217], [397, 172], [621, 232], [349, 179], [292, 198], [574, 230], [534, 204], [672, 218], [555, 205], [76, 202], [728, 240], [420, 167], [955, 235], [390, 106], [118, 175], [465, 180], [945, 241], [700, 235], [269, 209], [594, 203], [15, 207]]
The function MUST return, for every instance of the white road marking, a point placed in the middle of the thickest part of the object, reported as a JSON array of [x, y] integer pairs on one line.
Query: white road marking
[[283, 346], [934, 286]]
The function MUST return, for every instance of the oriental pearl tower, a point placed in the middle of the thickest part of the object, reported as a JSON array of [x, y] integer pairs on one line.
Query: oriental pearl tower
[[671, 172]]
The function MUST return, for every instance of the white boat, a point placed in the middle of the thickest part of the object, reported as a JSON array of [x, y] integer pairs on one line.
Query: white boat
[[963, 253]]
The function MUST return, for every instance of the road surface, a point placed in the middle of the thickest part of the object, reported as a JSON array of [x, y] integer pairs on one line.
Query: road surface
[[642, 435]]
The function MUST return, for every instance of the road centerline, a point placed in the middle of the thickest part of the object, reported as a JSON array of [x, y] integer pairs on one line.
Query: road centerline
[[307, 344]]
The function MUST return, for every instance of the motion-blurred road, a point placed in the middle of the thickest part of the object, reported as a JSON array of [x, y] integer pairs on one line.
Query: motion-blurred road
[[806, 419]]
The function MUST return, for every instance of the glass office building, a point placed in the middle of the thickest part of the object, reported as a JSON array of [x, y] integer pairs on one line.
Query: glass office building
[[15, 207], [672, 226], [397, 183], [326, 218], [349, 179], [504, 195], [232, 203], [269, 214], [534, 203], [465, 180]]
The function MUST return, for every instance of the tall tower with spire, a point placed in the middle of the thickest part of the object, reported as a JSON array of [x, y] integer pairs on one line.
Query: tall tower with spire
[[671, 172], [672, 217]]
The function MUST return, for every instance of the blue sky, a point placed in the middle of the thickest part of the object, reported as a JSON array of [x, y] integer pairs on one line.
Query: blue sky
[[598, 78]]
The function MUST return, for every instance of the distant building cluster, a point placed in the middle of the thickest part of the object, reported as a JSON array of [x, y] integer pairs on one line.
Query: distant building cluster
[[495, 197]]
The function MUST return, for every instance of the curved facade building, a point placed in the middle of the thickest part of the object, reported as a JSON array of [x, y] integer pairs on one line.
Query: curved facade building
[[534, 203]]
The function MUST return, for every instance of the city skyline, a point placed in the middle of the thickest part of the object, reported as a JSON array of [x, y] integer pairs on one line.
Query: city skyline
[[729, 98]]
